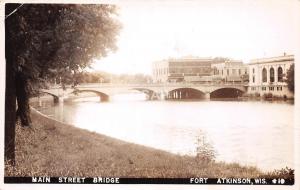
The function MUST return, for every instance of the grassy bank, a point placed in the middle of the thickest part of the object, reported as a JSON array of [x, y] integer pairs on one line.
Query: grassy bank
[[55, 149]]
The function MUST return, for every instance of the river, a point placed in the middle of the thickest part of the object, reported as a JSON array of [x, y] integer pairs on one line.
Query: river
[[250, 133]]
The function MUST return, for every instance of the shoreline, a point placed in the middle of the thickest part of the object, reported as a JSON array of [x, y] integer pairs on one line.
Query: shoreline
[[53, 148]]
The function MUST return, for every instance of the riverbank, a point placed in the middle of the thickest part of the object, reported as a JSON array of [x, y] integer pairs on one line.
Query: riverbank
[[51, 148]]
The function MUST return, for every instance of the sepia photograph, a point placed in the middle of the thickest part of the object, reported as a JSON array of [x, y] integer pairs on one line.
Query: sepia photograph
[[150, 92]]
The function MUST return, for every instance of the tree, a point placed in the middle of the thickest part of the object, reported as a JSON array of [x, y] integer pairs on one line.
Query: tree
[[220, 59], [43, 41], [290, 78]]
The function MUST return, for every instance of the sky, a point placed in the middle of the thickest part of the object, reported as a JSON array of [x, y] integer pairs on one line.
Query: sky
[[239, 29]]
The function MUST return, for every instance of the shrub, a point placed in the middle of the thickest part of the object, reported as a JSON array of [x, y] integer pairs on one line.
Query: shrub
[[285, 173], [268, 96], [257, 94], [204, 150]]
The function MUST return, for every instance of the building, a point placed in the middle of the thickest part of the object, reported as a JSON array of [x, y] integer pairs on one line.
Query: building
[[188, 69], [267, 75], [230, 71]]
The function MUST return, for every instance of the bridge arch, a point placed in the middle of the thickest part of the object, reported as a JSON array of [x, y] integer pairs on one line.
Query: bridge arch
[[186, 93], [55, 97], [227, 92], [103, 97], [151, 94]]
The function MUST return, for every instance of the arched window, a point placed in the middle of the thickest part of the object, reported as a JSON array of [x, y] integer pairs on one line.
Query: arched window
[[253, 77], [264, 75], [272, 74], [280, 74]]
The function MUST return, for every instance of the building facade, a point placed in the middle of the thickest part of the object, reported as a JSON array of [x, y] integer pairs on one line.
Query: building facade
[[178, 70], [267, 75], [230, 71]]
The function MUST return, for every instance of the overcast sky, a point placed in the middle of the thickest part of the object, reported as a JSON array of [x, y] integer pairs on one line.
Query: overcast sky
[[240, 29]]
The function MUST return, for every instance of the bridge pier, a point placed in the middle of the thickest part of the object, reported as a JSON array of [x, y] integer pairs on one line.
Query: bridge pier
[[207, 96], [104, 98]]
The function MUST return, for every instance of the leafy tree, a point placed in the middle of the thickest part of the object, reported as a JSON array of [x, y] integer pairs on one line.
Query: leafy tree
[[290, 78], [43, 41], [220, 59]]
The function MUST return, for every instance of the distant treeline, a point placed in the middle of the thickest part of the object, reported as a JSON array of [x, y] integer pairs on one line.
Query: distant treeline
[[102, 77]]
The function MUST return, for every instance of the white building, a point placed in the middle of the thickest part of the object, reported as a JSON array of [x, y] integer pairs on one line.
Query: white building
[[230, 71], [267, 75]]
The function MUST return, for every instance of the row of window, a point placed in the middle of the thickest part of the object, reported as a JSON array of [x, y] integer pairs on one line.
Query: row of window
[[233, 71], [264, 88], [272, 75], [165, 71], [161, 71]]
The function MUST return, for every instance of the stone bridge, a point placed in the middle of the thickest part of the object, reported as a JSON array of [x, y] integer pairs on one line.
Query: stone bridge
[[156, 91]]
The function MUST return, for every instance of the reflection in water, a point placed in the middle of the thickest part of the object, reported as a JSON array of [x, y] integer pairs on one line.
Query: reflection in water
[[251, 133]]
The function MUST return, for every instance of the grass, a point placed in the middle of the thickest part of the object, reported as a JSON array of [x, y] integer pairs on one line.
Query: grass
[[55, 149]]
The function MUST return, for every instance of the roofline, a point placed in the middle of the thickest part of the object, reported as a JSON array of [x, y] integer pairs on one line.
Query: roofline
[[189, 59], [271, 59]]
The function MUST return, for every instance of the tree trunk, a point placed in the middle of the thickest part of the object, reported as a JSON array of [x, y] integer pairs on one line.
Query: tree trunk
[[10, 114], [22, 93]]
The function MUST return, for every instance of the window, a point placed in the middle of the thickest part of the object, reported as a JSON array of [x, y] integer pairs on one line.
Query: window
[[263, 88], [233, 71], [279, 88], [253, 79], [272, 74], [271, 88], [253, 88], [264, 75], [239, 71], [227, 72], [280, 74]]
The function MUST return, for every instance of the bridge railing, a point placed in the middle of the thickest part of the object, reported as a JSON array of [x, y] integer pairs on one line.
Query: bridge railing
[[111, 85]]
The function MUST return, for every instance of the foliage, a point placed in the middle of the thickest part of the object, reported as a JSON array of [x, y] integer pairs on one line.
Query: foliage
[[285, 173], [220, 59], [103, 77], [204, 150], [58, 40], [257, 94], [268, 96], [136, 78], [290, 78], [46, 41]]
